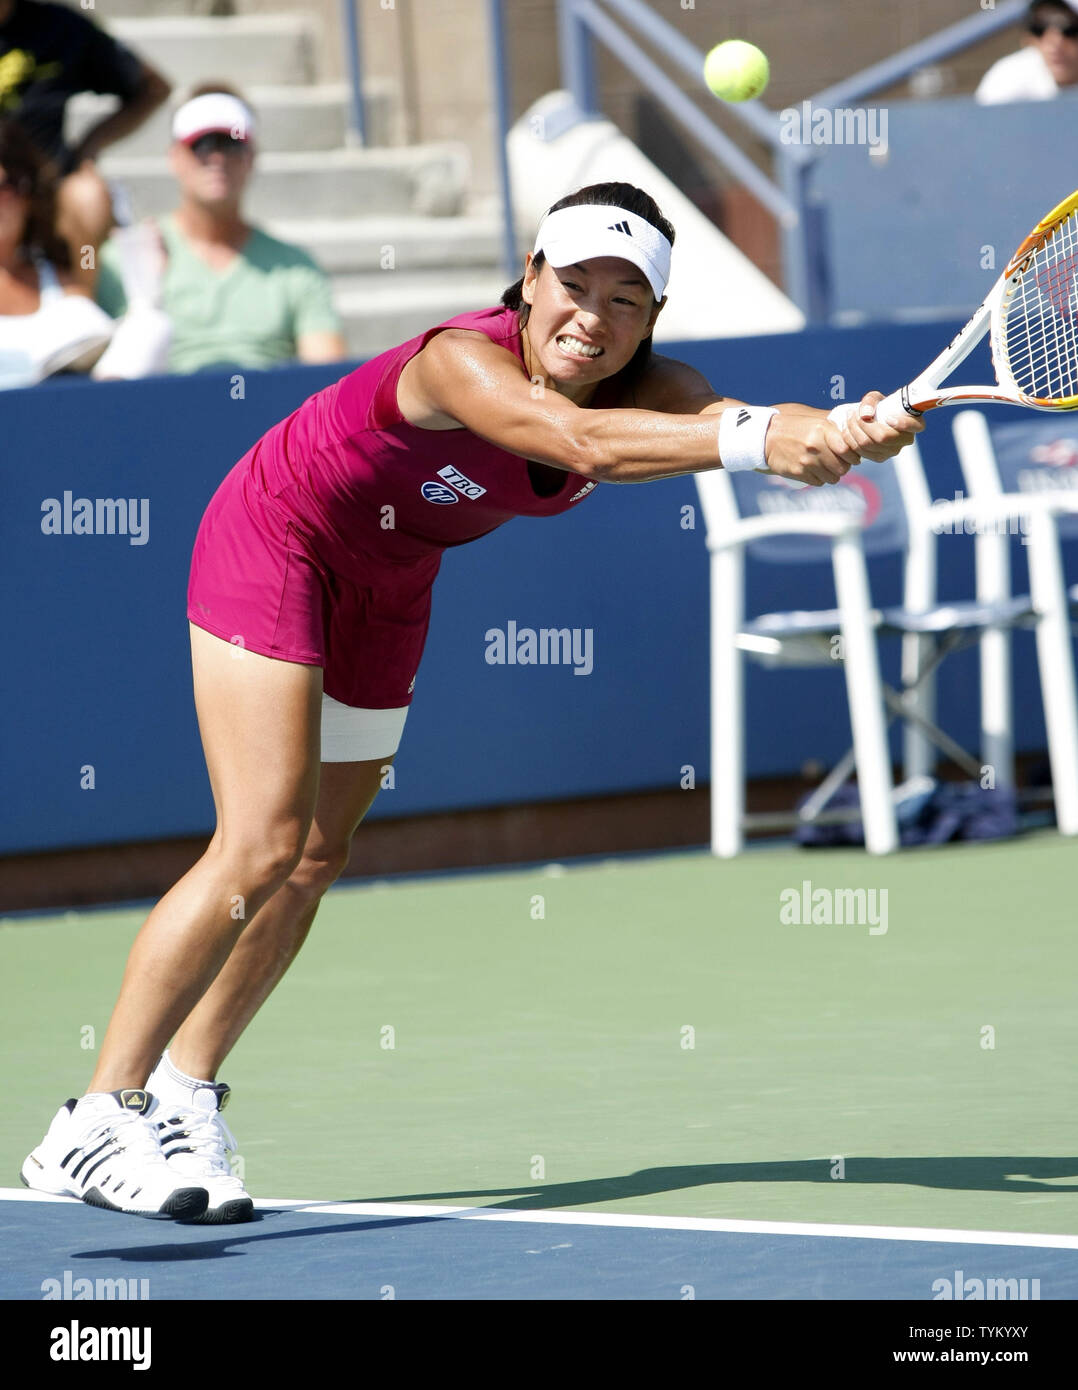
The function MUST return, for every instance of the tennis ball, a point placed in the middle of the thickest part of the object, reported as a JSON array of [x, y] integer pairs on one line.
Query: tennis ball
[[736, 70]]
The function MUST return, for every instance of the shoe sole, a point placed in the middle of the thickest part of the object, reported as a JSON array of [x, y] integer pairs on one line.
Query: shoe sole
[[240, 1209], [183, 1205], [186, 1204]]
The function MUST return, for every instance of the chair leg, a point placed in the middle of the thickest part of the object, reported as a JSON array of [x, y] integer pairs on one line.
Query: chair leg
[[727, 704], [865, 693], [919, 754], [1055, 658]]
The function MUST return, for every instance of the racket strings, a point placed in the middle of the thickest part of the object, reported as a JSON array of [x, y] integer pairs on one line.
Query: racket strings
[[1041, 323]]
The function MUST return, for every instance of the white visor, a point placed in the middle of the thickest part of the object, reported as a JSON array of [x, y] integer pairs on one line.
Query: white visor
[[216, 111], [576, 234]]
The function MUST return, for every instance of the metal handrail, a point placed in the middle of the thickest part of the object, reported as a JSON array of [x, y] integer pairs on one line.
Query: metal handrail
[[955, 37], [683, 109], [353, 52], [789, 199]]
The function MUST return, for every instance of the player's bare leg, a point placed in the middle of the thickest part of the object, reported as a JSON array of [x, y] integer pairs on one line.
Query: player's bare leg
[[270, 943], [260, 722]]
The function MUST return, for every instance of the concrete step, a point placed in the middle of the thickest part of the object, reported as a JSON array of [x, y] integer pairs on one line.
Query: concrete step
[[245, 50], [104, 11], [290, 118], [380, 312], [430, 180], [394, 245]]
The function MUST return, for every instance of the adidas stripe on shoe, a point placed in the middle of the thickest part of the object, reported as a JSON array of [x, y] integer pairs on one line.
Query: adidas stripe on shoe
[[197, 1143], [104, 1149]]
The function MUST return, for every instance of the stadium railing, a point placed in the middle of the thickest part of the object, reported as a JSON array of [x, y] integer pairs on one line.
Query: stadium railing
[[810, 262]]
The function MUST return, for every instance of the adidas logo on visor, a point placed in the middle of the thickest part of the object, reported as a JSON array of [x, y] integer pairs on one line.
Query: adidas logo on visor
[[620, 227]]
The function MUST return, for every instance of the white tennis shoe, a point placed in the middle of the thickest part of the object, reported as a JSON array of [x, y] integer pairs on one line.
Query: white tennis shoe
[[197, 1145], [104, 1149]]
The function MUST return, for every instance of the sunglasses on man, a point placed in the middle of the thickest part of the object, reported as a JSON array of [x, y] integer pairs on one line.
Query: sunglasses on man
[[215, 142], [1038, 28]]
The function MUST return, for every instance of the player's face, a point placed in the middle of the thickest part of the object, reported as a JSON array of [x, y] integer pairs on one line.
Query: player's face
[[214, 170], [1058, 43], [586, 321]]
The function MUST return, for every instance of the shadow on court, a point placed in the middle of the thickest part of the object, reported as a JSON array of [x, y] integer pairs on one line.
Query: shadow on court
[[232, 1244], [989, 1174], [970, 1174]]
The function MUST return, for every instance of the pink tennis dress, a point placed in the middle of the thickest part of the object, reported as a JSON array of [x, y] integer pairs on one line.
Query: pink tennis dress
[[322, 543]]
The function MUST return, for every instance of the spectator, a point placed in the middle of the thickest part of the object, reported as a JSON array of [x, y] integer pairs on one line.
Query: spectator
[[235, 296], [48, 322], [1047, 63], [48, 53]]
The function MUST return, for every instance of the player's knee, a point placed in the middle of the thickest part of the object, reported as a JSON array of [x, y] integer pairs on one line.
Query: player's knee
[[319, 870], [265, 861]]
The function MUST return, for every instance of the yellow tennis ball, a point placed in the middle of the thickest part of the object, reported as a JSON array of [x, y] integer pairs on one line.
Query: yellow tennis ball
[[736, 70]]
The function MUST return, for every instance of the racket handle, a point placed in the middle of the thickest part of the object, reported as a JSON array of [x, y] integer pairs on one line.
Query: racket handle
[[891, 409]]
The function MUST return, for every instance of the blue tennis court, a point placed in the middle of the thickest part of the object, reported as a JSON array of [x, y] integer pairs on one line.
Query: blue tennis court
[[327, 1251]]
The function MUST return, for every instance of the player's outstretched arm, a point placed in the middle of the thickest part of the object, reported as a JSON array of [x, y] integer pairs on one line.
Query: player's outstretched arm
[[462, 379], [800, 442]]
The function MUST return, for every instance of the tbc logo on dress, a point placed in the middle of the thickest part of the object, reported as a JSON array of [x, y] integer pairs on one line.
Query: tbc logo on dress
[[438, 492], [583, 492], [455, 478]]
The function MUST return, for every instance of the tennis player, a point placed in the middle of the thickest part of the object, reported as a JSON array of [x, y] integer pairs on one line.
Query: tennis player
[[309, 600]]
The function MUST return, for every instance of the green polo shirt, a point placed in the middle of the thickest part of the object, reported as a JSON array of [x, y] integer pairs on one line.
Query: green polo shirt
[[248, 315]]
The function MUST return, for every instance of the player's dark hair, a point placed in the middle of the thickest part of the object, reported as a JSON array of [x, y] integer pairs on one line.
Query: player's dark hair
[[33, 175], [618, 195]]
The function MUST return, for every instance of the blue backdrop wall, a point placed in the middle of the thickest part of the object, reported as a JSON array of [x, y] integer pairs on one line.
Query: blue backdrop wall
[[96, 662]]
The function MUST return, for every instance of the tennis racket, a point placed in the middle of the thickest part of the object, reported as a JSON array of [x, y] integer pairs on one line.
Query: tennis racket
[[1032, 314]]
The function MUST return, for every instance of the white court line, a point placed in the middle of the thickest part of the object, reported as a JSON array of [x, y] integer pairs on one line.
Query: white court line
[[650, 1223]]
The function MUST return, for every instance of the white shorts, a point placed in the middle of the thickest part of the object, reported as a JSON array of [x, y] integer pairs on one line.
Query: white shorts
[[351, 735]]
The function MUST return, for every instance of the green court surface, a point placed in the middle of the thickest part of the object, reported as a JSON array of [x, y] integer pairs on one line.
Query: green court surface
[[642, 1035]]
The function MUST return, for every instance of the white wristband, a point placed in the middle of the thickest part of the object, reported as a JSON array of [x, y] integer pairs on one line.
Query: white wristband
[[742, 431]]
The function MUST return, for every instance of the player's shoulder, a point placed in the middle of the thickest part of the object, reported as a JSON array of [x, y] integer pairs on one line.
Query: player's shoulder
[[480, 333], [666, 381]]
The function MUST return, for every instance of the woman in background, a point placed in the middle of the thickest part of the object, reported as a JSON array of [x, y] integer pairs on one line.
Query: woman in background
[[48, 321]]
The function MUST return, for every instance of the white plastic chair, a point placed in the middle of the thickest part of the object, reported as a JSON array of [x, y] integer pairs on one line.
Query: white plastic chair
[[1026, 473], [877, 509]]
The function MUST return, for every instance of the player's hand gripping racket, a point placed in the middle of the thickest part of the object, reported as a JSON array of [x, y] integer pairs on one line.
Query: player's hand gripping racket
[[1032, 314]]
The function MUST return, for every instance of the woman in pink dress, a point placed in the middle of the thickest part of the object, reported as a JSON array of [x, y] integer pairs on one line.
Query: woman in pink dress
[[309, 600]]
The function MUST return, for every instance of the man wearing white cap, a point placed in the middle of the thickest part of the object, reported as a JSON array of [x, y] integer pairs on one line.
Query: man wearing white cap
[[1047, 65], [236, 296]]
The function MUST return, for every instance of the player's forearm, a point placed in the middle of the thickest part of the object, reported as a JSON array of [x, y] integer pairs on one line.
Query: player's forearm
[[797, 408], [638, 446]]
